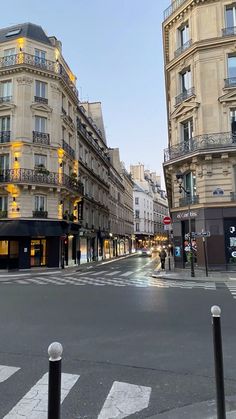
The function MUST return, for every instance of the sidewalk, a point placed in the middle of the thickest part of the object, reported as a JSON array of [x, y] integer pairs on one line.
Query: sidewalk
[[185, 274], [204, 410]]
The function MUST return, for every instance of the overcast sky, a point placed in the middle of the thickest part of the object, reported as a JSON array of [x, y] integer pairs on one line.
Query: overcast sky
[[115, 49]]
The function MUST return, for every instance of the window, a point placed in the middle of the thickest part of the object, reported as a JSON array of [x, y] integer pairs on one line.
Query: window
[[231, 66], [4, 161], [137, 213], [186, 80], [40, 160], [187, 133], [190, 183], [233, 121], [6, 89], [137, 227], [9, 56], [40, 57], [69, 109], [40, 124], [184, 34], [40, 89], [230, 16], [5, 123], [40, 203], [136, 201], [3, 203]]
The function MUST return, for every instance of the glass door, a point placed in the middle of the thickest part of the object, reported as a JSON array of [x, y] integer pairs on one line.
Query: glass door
[[38, 252]]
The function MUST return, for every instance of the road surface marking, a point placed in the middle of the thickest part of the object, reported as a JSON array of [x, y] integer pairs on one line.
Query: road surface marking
[[34, 404], [6, 372], [127, 273], [113, 273], [125, 399]]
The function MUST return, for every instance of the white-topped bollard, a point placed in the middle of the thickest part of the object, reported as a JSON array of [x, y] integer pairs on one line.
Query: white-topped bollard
[[54, 380], [218, 354]]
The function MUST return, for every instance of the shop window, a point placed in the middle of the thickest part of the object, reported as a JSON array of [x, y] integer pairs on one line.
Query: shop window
[[3, 247]]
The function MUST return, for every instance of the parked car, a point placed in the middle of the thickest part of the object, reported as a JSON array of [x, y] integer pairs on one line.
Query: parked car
[[145, 252]]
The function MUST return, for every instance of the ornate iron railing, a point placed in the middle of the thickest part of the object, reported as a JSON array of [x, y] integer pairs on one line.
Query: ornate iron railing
[[84, 132], [31, 176], [183, 48], [233, 196], [32, 60], [201, 142], [41, 99], [41, 138], [186, 200], [229, 31], [184, 95], [40, 214], [4, 99], [3, 214], [172, 8], [68, 149], [231, 82], [5, 136]]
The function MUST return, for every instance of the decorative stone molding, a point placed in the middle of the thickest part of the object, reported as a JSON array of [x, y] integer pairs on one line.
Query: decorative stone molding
[[24, 80], [55, 88]]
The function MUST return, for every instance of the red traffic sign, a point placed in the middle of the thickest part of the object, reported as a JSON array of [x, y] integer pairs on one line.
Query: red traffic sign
[[166, 220]]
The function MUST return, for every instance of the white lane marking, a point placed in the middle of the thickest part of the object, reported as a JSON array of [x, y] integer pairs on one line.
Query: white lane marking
[[113, 273], [98, 273], [6, 372], [125, 399], [34, 404], [21, 281], [127, 273]]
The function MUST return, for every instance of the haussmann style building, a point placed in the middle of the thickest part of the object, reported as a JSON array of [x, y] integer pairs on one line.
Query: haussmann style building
[[200, 73]]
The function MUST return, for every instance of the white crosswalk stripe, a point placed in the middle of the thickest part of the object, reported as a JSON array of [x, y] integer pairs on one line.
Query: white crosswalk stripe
[[6, 372], [34, 404], [232, 289], [113, 273], [127, 273]]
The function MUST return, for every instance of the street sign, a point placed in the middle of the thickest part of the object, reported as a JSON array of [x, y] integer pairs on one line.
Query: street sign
[[202, 234], [167, 227], [166, 220]]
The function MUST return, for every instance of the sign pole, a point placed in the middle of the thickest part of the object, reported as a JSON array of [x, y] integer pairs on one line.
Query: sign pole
[[205, 254]]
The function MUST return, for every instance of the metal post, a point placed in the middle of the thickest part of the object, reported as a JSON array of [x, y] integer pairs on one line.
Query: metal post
[[54, 380], [218, 354], [205, 255], [190, 237]]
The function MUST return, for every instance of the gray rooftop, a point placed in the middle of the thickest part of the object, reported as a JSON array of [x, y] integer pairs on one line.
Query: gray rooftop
[[25, 30]]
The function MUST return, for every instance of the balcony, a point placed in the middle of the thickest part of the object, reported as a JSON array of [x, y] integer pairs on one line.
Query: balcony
[[233, 196], [4, 99], [24, 59], [231, 82], [183, 48], [205, 142], [40, 99], [41, 138], [188, 200], [229, 31], [40, 214], [33, 176], [82, 130], [5, 136], [68, 149], [3, 214], [172, 8], [184, 96]]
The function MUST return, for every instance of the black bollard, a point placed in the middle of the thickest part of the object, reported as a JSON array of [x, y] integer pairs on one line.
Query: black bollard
[[219, 370], [54, 381]]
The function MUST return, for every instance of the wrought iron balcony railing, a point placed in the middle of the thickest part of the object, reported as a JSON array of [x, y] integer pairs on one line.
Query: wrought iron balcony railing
[[41, 138], [233, 196], [3, 213], [40, 214], [40, 99], [231, 82], [229, 31], [31, 60], [172, 8], [211, 142], [69, 150], [4, 99], [184, 95], [5, 136], [186, 200], [33, 176], [183, 48], [84, 132]]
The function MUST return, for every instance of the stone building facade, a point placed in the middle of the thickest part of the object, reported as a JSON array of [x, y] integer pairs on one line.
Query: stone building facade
[[200, 72]]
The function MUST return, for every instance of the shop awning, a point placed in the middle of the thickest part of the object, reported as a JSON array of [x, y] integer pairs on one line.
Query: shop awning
[[34, 228]]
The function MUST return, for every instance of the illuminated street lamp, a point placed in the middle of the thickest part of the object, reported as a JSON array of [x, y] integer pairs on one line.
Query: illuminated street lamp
[[179, 177]]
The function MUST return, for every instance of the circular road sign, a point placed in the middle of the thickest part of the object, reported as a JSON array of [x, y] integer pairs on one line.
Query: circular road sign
[[167, 220]]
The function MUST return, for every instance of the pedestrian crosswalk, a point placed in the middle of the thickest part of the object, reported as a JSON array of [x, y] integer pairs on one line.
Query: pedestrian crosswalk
[[120, 401], [115, 278], [232, 289]]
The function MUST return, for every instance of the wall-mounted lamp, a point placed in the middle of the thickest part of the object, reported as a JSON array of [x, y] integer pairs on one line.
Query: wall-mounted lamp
[[18, 209], [21, 49], [75, 208], [61, 164], [14, 199], [61, 202], [16, 159]]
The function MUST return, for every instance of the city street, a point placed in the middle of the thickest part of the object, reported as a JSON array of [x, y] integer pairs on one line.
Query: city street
[[123, 333]]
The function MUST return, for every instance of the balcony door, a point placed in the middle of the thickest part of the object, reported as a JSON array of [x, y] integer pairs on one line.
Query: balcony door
[[186, 81], [230, 16], [4, 162], [187, 133]]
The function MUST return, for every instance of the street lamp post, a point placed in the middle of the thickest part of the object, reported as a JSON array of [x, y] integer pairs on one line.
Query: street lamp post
[[179, 177]]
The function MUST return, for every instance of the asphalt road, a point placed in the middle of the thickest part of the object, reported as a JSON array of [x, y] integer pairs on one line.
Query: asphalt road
[[123, 333]]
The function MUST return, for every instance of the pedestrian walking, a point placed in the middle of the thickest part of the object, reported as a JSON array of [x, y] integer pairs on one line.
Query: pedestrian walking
[[163, 258]]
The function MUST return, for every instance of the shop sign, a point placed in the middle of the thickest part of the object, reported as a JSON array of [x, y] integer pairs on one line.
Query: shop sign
[[184, 215]]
